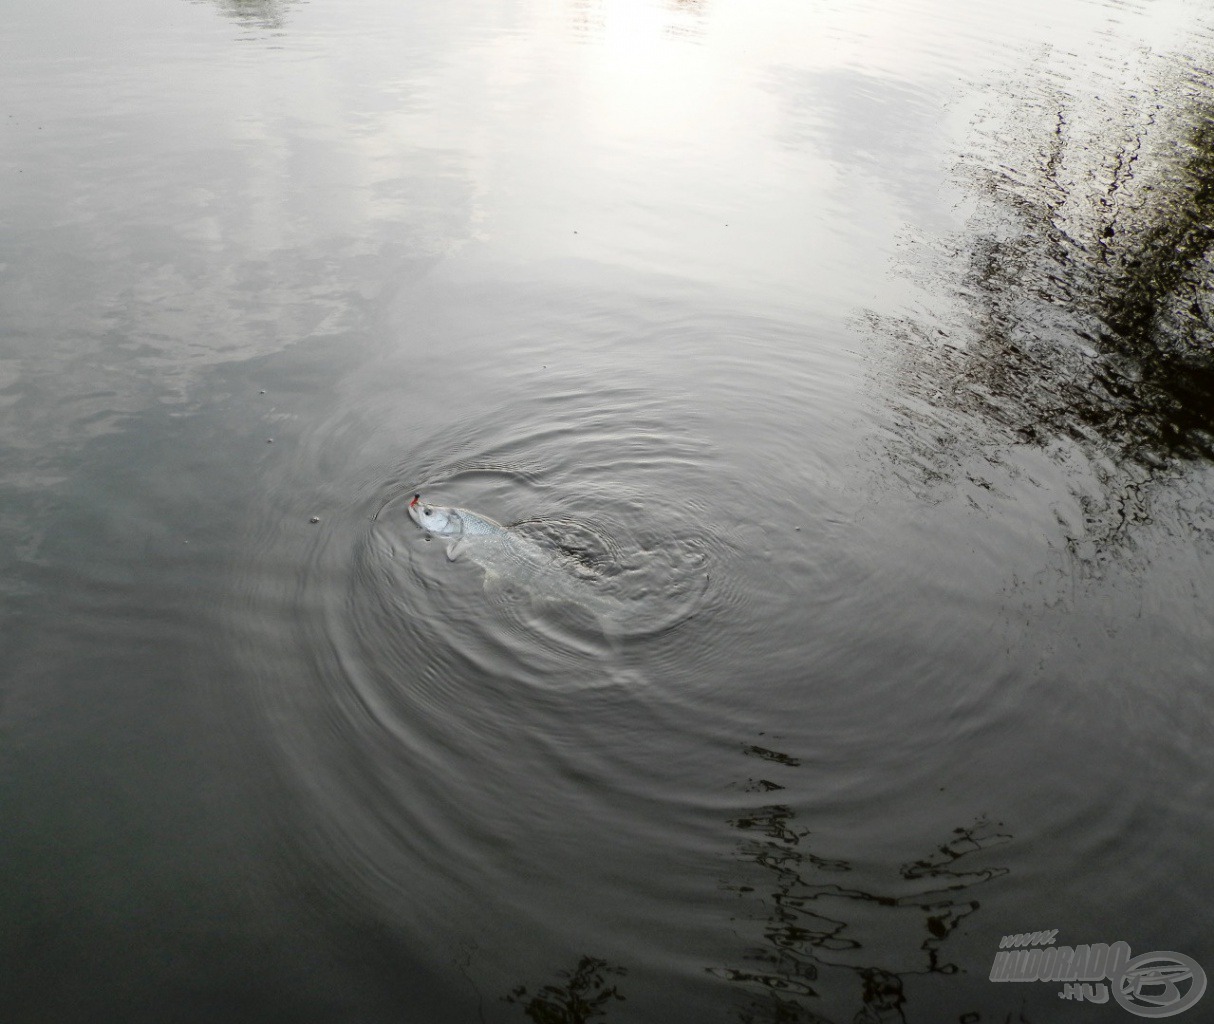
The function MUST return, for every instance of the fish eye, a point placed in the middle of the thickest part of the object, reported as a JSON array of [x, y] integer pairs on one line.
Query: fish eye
[[427, 511]]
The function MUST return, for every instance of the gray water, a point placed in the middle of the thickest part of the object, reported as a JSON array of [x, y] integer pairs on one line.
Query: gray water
[[867, 344]]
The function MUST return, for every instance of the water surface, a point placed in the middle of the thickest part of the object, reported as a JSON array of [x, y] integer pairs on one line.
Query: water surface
[[866, 346]]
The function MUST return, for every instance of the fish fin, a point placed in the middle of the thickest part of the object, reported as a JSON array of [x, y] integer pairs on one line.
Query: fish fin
[[454, 548]]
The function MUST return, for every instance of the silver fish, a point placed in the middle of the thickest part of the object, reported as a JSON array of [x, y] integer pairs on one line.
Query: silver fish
[[511, 558]]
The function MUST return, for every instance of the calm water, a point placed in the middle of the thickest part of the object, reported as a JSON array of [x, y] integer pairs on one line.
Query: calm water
[[865, 346]]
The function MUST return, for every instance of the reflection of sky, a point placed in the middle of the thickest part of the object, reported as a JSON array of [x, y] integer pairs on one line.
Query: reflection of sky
[[647, 127], [181, 189]]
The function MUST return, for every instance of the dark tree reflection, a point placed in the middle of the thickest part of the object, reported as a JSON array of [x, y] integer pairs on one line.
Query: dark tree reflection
[[811, 916], [582, 995], [1095, 319], [265, 14], [1082, 290]]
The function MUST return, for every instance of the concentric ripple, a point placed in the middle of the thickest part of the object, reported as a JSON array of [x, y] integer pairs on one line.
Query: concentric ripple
[[415, 682], [635, 547]]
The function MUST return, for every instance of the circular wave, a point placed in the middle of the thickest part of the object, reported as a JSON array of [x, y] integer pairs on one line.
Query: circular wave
[[636, 550], [436, 725]]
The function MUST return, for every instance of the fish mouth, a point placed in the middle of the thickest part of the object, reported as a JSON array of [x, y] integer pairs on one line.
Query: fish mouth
[[416, 499]]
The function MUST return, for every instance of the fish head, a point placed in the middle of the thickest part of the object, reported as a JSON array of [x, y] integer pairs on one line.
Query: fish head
[[435, 519]]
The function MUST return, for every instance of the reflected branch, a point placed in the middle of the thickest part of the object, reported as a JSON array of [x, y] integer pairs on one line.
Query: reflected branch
[[1084, 291], [811, 924], [265, 14], [582, 995]]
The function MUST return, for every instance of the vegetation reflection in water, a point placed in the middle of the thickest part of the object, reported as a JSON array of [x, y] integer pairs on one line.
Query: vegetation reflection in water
[[265, 14], [797, 904], [578, 997], [801, 901], [1085, 285]]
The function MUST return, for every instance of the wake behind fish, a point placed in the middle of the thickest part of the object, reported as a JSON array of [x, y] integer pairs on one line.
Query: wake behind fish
[[569, 574]]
